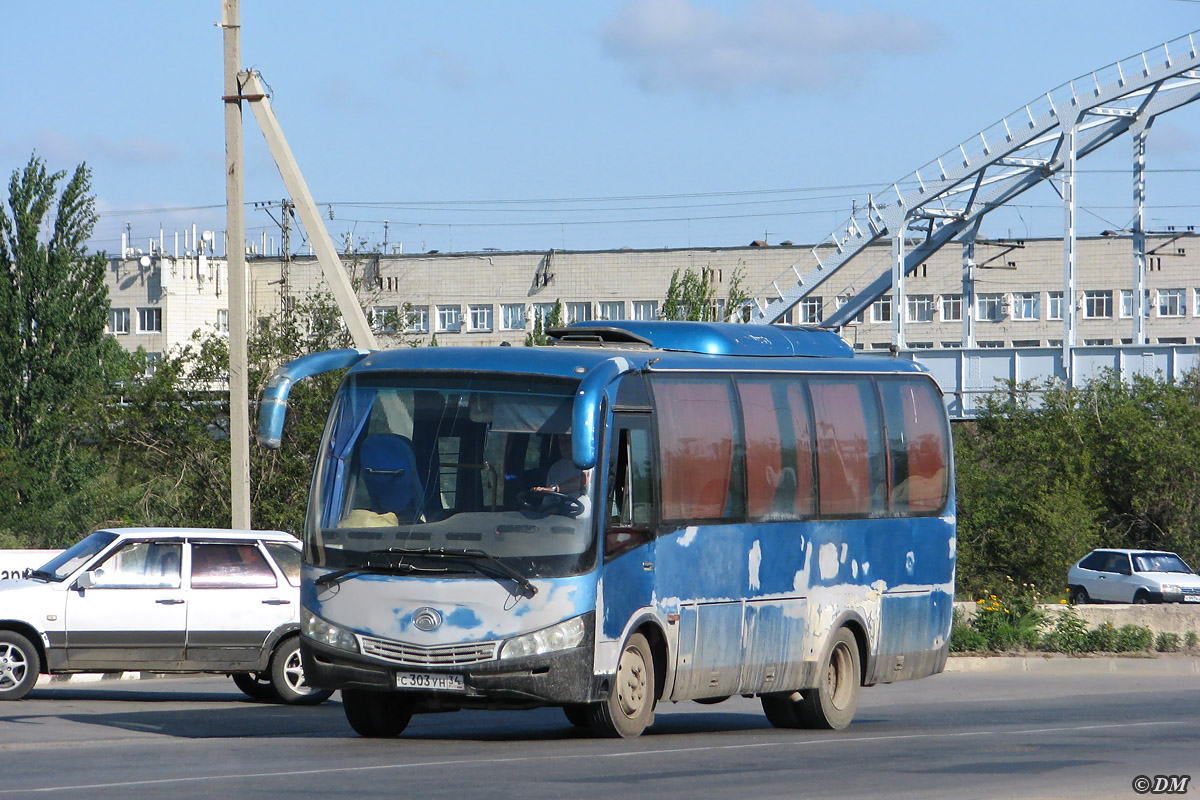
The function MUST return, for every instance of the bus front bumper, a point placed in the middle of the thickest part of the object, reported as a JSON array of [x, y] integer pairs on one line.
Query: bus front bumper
[[558, 678]]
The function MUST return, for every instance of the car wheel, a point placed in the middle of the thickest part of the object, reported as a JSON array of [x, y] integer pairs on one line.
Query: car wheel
[[1079, 596], [256, 685], [1140, 598], [287, 676], [19, 665], [376, 715], [629, 709]]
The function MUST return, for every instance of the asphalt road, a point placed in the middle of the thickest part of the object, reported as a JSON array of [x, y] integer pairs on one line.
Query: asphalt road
[[965, 735]]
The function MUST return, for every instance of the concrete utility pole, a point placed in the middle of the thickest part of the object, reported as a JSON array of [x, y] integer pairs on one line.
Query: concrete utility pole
[[239, 379]]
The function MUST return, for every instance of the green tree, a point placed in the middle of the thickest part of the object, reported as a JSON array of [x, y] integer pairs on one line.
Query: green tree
[[538, 337], [693, 295], [53, 303]]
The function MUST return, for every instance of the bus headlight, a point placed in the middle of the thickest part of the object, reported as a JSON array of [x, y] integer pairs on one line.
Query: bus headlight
[[562, 636], [326, 633]]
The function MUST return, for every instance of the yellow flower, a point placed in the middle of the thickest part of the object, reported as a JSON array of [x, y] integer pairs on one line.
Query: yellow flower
[[1063, 601]]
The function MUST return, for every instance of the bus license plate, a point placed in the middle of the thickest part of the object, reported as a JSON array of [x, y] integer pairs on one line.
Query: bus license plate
[[430, 682]]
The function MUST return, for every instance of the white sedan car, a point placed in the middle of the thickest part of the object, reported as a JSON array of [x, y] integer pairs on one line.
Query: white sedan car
[[1132, 576], [161, 600]]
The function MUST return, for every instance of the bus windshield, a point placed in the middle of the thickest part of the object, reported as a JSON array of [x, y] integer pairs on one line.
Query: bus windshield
[[417, 467]]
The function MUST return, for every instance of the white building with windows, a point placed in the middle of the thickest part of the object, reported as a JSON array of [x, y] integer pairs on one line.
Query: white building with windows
[[486, 298]]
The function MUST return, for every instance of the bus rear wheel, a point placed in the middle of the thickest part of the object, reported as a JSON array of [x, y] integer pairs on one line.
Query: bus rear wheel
[[376, 715], [832, 702], [629, 709]]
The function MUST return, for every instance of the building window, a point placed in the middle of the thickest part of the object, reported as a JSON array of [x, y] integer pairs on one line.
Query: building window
[[1171, 302], [118, 320], [989, 307], [1054, 305], [1097, 304], [149, 320], [1173, 340], [1025, 306], [950, 345], [858, 319], [612, 310], [1027, 343], [449, 318], [385, 318], [881, 309], [645, 310], [1097, 342], [920, 308], [513, 316], [1127, 303], [920, 345], [481, 317], [992, 344], [810, 309], [952, 308], [418, 319], [579, 312], [542, 311], [223, 320], [152, 362]]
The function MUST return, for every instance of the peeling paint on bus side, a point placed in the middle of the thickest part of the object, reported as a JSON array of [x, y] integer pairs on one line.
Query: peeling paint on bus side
[[761, 622]]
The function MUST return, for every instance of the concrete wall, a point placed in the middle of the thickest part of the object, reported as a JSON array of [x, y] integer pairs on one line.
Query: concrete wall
[[1165, 618]]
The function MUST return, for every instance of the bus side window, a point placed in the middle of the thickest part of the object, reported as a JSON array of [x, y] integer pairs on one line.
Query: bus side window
[[631, 513]]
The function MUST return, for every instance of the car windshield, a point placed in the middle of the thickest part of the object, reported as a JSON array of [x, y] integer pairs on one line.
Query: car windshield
[[1159, 562], [62, 565], [456, 463]]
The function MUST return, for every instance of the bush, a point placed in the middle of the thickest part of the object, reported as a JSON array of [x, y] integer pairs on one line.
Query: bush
[[1131, 638], [1069, 635], [1190, 640], [1102, 638], [1166, 642]]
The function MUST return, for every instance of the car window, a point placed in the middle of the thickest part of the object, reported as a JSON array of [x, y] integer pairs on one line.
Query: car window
[[230, 566], [1159, 562], [141, 565], [1095, 561], [288, 559], [1118, 562]]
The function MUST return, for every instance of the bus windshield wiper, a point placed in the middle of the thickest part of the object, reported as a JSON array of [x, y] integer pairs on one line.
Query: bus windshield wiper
[[337, 575], [473, 557]]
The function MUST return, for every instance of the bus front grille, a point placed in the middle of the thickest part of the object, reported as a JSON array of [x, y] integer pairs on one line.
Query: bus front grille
[[438, 655]]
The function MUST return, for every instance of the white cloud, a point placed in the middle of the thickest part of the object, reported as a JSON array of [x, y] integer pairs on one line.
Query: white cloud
[[789, 46]]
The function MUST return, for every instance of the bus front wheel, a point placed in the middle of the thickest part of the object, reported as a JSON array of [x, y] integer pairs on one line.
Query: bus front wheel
[[832, 702], [376, 715], [629, 709]]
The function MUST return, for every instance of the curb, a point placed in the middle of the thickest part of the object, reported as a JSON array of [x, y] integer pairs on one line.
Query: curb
[[1068, 665]]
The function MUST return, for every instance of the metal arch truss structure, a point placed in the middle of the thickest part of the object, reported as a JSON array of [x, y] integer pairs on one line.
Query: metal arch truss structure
[[948, 197]]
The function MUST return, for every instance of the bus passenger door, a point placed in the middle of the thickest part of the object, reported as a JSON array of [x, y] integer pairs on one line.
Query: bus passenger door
[[629, 516]]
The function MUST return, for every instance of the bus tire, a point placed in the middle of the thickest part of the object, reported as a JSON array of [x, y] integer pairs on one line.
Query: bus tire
[[376, 715], [578, 714], [19, 665], [629, 709], [832, 703]]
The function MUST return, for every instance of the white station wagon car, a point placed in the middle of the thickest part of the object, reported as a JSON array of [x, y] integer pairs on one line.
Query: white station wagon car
[[161, 600], [1132, 576]]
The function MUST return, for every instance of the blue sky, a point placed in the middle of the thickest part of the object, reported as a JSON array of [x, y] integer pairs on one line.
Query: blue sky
[[580, 125]]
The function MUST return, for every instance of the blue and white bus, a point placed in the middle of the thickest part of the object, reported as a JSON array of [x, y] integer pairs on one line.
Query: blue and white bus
[[741, 510]]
